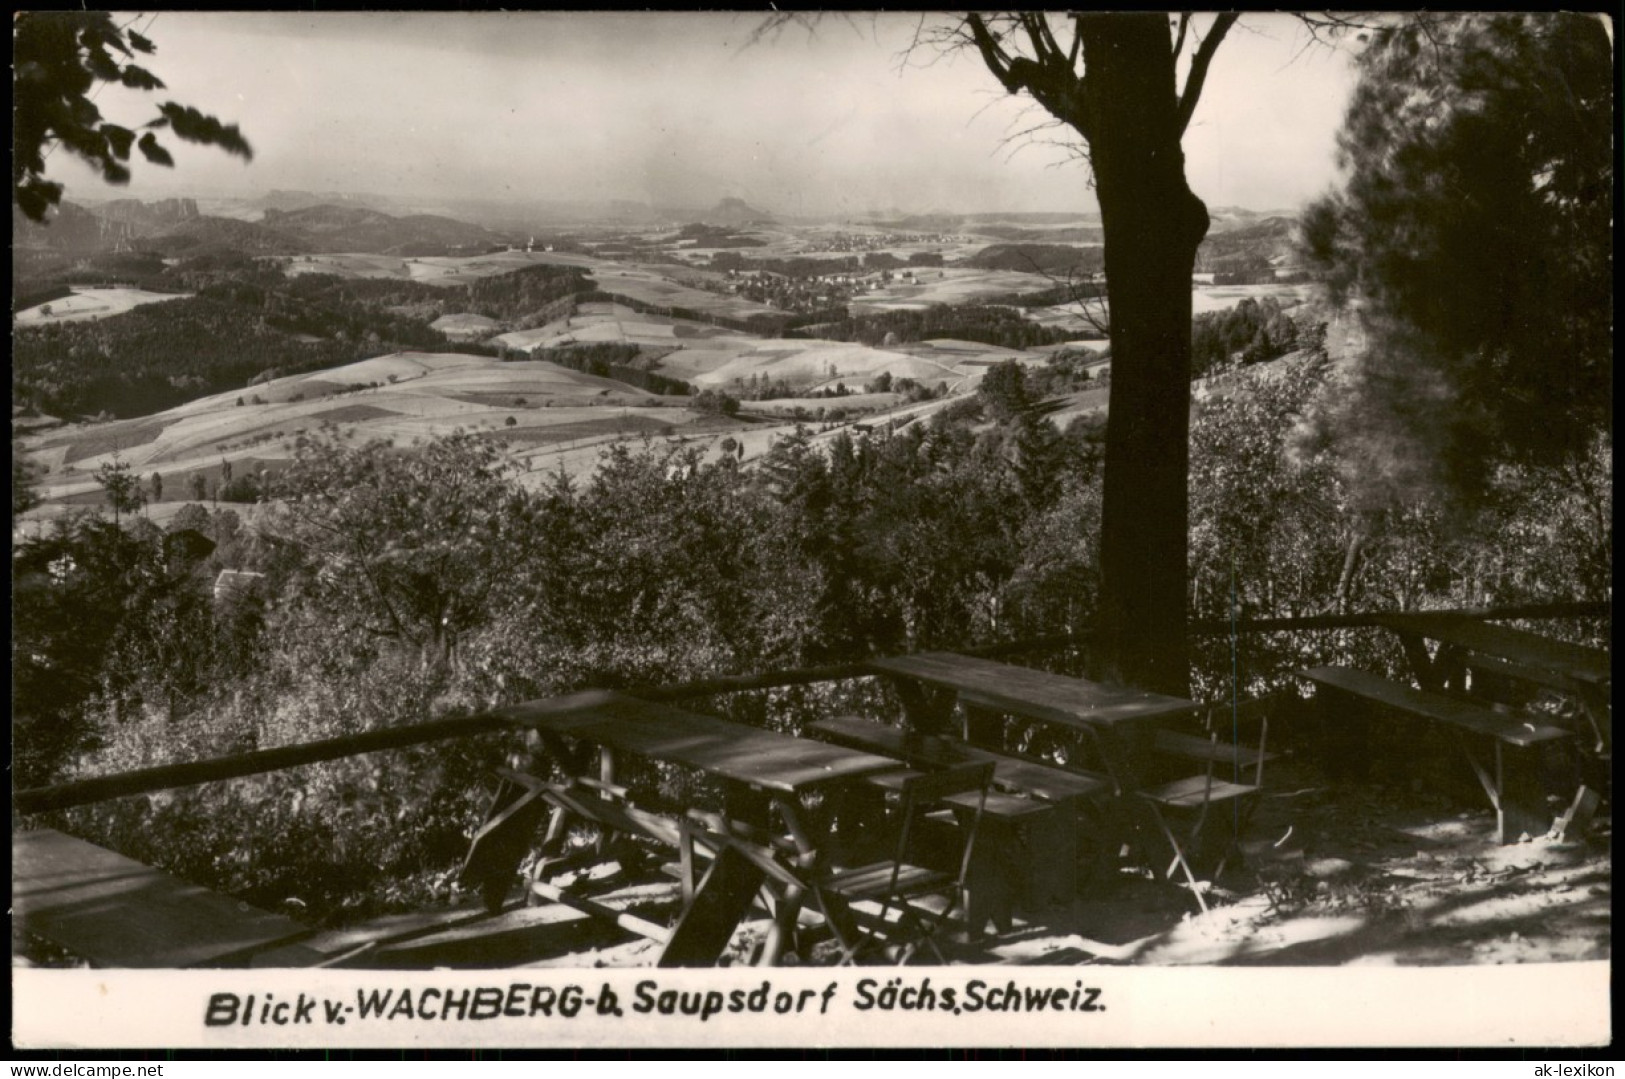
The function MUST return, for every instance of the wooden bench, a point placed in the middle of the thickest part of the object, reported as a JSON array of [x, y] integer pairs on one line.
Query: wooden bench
[[113, 911], [1470, 643], [1519, 803]]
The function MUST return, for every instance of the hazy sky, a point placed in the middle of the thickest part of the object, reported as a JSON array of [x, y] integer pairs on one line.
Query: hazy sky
[[673, 109]]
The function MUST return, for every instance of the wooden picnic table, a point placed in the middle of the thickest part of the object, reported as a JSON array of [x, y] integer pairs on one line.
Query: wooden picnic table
[[779, 766], [1466, 642], [1121, 720]]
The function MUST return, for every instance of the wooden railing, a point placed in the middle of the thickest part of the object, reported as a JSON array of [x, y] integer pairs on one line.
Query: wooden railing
[[169, 776]]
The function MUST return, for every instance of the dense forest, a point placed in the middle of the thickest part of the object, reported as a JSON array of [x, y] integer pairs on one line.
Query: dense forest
[[161, 355], [1057, 259], [1250, 332], [401, 585], [999, 326]]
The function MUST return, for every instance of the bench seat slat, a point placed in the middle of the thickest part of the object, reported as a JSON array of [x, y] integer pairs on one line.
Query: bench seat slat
[[1045, 781], [1515, 730], [1194, 747], [998, 806], [116, 912], [1194, 790]]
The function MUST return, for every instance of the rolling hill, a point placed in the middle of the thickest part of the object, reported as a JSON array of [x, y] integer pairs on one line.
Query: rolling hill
[[332, 228]]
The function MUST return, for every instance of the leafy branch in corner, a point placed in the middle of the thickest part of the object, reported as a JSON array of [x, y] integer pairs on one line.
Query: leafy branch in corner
[[61, 61]]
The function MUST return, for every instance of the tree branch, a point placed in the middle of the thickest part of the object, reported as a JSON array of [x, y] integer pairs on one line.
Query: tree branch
[[1050, 80], [992, 55], [1044, 44], [1199, 67]]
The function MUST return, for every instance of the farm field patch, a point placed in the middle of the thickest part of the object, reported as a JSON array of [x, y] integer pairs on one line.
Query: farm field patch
[[603, 323], [651, 287], [812, 364], [1089, 344], [465, 327], [951, 351], [852, 402], [1223, 297], [952, 285], [442, 393], [1205, 299], [1083, 403], [92, 303], [621, 423], [1084, 320], [351, 414], [342, 265]]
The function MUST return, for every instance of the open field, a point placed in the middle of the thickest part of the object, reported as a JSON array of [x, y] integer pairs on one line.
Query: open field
[[812, 365], [552, 417], [953, 352], [560, 420], [358, 265], [1087, 344], [430, 270], [951, 285], [466, 327], [599, 323], [1205, 299], [92, 303], [852, 403], [1223, 297], [1090, 402], [651, 286], [417, 395], [708, 356], [1073, 317]]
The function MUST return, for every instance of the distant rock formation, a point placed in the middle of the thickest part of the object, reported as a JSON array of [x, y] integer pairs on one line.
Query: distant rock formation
[[149, 216], [69, 227], [735, 211], [110, 226]]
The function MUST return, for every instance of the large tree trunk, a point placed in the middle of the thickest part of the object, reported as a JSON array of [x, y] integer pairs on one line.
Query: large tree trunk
[[1153, 224]]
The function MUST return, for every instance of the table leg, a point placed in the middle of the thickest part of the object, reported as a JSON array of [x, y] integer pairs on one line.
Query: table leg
[[790, 812], [783, 930], [1416, 652], [499, 846], [709, 920], [1598, 707], [1345, 723], [1125, 754], [606, 775], [993, 878], [925, 710], [552, 853], [857, 812], [984, 727], [1450, 669], [1514, 793], [741, 803]]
